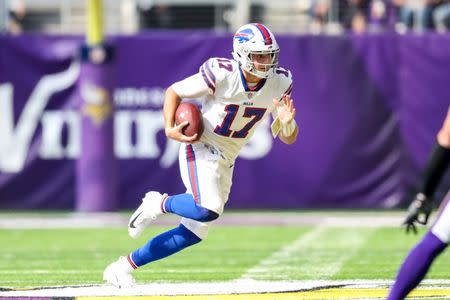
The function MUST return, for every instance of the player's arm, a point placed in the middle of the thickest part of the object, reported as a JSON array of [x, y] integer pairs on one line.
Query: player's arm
[[191, 87], [285, 111], [171, 102], [439, 160], [284, 124]]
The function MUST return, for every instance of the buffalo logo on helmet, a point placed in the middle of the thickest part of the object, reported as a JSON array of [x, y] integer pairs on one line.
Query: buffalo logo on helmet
[[244, 35]]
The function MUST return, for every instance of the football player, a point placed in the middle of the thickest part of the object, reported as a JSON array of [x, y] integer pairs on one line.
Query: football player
[[420, 258], [237, 95]]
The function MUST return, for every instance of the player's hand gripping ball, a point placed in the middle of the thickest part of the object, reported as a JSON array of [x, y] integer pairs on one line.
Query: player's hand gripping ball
[[189, 112]]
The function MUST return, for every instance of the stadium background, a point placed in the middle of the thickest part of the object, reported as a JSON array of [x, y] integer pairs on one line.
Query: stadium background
[[369, 106], [77, 136]]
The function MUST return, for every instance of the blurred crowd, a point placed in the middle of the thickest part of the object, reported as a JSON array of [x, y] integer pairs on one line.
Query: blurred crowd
[[356, 16], [380, 15], [15, 17]]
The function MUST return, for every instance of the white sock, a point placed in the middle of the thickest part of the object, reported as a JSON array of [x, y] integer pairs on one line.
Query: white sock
[[125, 265]]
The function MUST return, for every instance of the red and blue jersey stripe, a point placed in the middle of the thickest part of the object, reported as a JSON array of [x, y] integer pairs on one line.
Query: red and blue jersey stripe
[[208, 76], [289, 90], [192, 171]]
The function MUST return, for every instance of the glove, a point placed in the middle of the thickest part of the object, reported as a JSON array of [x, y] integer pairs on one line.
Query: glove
[[418, 212]]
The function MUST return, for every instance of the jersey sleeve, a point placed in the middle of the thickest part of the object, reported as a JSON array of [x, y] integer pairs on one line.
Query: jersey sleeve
[[207, 81], [213, 72], [192, 87], [284, 84], [285, 81]]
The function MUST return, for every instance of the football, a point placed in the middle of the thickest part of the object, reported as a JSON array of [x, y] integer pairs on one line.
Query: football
[[189, 112]]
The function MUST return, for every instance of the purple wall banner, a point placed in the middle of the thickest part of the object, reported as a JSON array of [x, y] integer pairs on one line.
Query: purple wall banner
[[369, 108], [96, 166]]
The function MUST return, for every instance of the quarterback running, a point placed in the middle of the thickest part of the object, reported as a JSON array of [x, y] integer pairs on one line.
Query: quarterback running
[[236, 96]]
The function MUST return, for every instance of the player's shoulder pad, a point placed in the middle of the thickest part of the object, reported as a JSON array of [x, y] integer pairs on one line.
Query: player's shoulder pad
[[216, 69], [284, 78]]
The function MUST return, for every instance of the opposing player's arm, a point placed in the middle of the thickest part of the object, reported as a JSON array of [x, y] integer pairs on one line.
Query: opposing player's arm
[[438, 162]]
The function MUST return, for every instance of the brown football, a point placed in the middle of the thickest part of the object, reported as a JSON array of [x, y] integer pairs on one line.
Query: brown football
[[189, 112]]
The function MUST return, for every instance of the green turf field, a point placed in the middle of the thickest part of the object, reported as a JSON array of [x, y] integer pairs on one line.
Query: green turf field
[[49, 257]]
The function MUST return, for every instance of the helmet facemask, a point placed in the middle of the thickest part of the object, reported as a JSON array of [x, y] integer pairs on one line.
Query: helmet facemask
[[268, 69]]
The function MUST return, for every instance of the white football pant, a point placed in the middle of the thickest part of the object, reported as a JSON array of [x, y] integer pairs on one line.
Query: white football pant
[[207, 176]]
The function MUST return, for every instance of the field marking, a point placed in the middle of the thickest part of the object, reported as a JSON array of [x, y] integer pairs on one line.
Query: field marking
[[335, 294], [302, 256], [16, 221], [318, 289], [53, 271], [43, 271]]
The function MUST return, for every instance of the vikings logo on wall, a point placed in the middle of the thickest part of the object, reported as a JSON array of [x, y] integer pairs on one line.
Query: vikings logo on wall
[[96, 103], [244, 35]]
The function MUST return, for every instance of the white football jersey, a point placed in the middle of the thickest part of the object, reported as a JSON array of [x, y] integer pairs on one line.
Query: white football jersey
[[231, 109]]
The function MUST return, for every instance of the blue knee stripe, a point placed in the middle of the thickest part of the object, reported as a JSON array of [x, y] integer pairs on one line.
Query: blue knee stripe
[[184, 205], [205, 215]]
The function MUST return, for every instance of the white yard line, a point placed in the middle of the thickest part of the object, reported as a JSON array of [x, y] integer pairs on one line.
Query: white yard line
[[202, 288], [300, 256], [53, 271], [117, 220]]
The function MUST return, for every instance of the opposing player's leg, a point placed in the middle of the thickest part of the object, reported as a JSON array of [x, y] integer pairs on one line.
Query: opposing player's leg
[[419, 260]]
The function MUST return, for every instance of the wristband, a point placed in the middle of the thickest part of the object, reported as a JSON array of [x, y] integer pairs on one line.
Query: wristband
[[288, 129]]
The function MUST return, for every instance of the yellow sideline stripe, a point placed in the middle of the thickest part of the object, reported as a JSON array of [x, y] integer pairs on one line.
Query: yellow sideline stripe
[[335, 293]]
